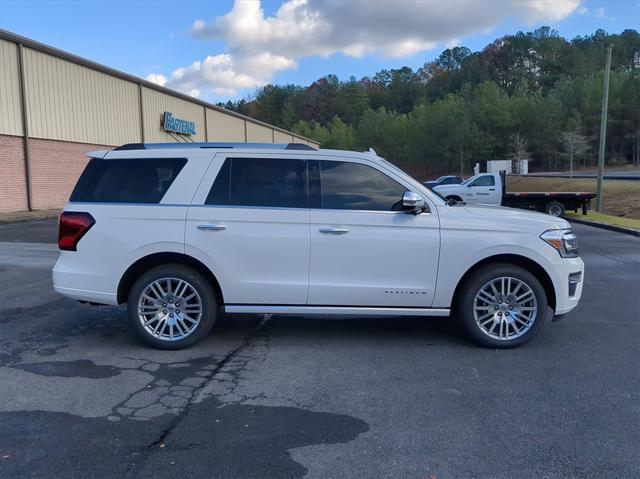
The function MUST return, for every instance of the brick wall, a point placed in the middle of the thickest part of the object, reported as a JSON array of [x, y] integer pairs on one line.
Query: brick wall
[[13, 186], [55, 168]]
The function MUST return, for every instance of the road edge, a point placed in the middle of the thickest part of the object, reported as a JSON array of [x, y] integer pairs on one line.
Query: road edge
[[22, 216], [618, 229]]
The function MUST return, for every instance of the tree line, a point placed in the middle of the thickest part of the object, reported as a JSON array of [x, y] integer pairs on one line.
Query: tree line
[[533, 95]]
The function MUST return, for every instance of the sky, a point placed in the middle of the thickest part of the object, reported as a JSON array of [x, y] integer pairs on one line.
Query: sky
[[223, 49]]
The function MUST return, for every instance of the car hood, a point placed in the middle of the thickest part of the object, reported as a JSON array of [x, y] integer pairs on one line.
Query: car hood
[[442, 188], [500, 213]]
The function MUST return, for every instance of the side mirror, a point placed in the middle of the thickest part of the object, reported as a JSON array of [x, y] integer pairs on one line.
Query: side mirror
[[413, 203]]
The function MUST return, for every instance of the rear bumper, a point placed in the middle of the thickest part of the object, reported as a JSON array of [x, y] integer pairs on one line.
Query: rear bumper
[[73, 283], [86, 295]]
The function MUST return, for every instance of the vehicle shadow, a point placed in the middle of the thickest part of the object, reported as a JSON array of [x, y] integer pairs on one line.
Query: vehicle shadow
[[425, 330]]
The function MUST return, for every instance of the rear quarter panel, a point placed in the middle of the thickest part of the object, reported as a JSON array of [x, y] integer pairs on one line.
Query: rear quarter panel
[[121, 235], [126, 232]]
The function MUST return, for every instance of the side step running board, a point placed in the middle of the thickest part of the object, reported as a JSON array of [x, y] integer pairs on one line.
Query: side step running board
[[338, 310]]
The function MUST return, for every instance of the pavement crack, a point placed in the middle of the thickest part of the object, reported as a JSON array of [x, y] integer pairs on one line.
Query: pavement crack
[[144, 452]]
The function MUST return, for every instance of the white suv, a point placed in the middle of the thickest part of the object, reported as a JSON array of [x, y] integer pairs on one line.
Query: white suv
[[182, 232]]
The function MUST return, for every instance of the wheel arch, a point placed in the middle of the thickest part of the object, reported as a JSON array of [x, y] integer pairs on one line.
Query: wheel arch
[[453, 197], [527, 263], [157, 259]]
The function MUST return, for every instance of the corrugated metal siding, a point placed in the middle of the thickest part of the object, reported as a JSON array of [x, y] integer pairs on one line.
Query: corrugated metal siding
[[259, 134], [10, 108], [282, 137], [70, 102], [223, 127], [155, 103]]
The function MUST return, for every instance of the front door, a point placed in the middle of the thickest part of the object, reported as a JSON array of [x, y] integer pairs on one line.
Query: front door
[[483, 190], [365, 251]]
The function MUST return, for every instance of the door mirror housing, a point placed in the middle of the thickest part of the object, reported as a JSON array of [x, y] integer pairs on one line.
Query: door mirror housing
[[413, 203]]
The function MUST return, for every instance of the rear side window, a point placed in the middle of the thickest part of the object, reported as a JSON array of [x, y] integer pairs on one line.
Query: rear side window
[[266, 182], [353, 186], [138, 180]]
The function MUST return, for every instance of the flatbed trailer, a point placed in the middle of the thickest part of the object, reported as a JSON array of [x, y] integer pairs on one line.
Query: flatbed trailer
[[552, 203]]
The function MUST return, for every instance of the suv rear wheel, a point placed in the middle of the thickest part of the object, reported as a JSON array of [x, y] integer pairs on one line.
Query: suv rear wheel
[[172, 307], [502, 306]]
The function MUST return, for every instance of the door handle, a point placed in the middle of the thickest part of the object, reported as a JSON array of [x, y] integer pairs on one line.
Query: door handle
[[492, 189], [331, 230], [212, 227]]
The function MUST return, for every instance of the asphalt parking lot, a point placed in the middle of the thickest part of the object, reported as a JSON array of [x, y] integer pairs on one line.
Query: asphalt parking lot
[[286, 397]]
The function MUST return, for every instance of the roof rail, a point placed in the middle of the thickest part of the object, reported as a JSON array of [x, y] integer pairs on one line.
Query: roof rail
[[273, 146]]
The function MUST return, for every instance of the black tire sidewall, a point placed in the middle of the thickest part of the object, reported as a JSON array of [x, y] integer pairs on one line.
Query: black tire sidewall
[[478, 279], [193, 277], [555, 203]]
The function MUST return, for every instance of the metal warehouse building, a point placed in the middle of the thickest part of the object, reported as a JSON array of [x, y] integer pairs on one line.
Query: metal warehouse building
[[55, 107]]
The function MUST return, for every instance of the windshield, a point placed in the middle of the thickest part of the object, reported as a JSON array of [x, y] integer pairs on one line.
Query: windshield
[[468, 180]]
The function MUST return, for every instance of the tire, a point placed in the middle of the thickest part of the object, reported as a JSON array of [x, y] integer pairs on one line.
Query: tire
[[503, 327], [453, 198], [555, 208], [165, 289]]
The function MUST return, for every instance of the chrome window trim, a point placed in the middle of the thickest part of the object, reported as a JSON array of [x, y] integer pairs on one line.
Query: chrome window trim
[[111, 203], [301, 209], [184, 205]]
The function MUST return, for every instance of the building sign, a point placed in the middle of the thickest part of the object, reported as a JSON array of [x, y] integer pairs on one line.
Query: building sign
[[176, 125]]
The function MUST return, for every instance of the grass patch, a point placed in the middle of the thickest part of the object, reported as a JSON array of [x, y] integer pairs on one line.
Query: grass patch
[[631, 223], [619, 197]]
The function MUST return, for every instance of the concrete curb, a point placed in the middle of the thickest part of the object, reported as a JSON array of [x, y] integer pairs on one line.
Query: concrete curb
[[21, 216], [579, 176], [618, 229]]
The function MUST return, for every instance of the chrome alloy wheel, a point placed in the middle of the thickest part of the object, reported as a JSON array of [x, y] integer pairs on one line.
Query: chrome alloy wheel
[[169, 309], [505, 308]]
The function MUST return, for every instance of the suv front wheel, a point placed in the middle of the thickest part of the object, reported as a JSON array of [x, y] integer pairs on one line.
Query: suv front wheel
[[502, 306], [172, 307]]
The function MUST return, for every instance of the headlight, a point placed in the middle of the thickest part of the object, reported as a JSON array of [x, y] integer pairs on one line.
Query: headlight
[[564, 241]]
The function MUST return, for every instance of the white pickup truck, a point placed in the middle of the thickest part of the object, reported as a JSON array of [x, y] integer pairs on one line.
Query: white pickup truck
[[491, 189]]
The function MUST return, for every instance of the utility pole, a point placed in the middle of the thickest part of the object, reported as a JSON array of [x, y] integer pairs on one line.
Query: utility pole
[[603, 128]]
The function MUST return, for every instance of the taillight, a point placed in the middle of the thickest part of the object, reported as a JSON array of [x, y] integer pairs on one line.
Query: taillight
[[72, 227]]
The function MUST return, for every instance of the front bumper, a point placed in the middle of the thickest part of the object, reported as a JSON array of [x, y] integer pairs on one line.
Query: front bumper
[[568, 289]]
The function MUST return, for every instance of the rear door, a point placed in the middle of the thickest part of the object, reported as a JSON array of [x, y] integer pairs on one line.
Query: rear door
[[251, 227], [365, 251]]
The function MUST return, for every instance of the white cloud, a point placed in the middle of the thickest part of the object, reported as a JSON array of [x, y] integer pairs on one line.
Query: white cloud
[[157, 78], [259, 46], [602, 15]]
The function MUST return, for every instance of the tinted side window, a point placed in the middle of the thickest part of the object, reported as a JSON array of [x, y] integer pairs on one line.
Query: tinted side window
[[84, 179], [267, 182], [219, 194], [138, 180], [485, 180], [353, 186]]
